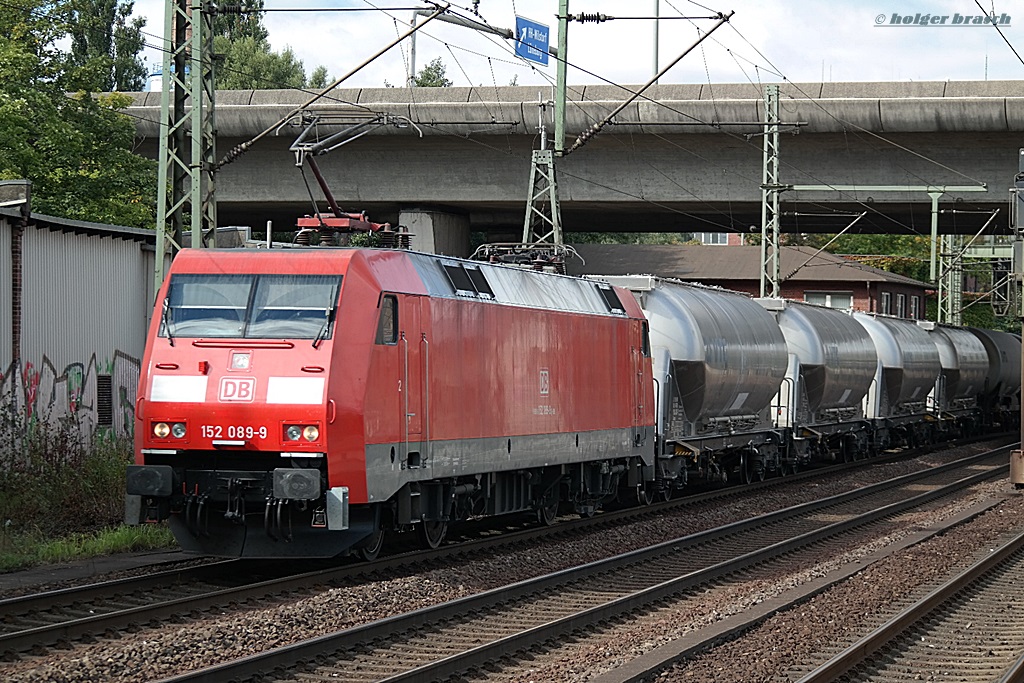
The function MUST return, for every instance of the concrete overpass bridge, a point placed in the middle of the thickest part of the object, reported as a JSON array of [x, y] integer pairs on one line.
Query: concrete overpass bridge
[[687, 159]]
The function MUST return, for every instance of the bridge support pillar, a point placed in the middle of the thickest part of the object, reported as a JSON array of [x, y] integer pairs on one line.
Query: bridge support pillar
[[437, 232]]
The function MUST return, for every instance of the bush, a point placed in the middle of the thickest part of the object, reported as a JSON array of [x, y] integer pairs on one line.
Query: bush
[[52, 484]]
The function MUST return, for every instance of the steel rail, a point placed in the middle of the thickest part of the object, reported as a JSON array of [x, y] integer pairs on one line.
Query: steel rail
[[307, 651], [869, 644], [61, 633]]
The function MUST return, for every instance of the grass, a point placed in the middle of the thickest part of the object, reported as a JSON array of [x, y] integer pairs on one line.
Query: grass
[[62, 494], [22, 551]]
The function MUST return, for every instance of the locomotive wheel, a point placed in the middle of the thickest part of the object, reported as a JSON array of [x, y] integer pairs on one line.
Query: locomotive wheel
[[370, 548], [432, 533], [547, 511]]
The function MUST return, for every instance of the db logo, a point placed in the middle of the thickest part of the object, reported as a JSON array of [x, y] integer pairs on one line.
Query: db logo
[[545, 382], [237, 389]]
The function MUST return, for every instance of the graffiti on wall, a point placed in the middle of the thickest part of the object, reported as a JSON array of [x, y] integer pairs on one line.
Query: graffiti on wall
[[96, 396]]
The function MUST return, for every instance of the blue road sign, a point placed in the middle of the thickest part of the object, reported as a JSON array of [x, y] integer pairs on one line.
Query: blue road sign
[[532, 40]]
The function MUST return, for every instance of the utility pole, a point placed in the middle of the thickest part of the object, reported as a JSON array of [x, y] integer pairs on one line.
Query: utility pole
[[187, 80], [770, 190], [543, 222], [657, 22], [562, 59]]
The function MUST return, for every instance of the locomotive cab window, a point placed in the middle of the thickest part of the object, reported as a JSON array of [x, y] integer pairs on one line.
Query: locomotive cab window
[[387, 326], [645, 341], [250, 306]]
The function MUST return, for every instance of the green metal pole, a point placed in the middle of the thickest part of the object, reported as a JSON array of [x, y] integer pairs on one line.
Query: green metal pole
[[563, 56], [935, 232]]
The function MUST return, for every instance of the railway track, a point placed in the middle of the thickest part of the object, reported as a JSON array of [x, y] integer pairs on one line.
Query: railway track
[[968, 629], [483, 630], [57, 619]]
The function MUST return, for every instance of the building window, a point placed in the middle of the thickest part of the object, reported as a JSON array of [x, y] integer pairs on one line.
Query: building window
[[885, 305], [901, 305], [843, 300], [915, 307], [713, 237]]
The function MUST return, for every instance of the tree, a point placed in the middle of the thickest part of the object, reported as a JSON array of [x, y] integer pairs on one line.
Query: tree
[[105, 38], [432, 75], [245, 60], [319, 78], [248, 64], [74, 147], [248, 23]]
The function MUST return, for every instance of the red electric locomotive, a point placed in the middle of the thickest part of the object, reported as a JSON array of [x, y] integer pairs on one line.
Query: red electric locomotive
[[307, 402]]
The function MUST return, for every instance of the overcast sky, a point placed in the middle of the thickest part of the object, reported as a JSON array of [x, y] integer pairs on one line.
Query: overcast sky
[[765, 40]]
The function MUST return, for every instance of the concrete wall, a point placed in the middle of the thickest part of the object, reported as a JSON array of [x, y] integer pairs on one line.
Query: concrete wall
[[662, 168]]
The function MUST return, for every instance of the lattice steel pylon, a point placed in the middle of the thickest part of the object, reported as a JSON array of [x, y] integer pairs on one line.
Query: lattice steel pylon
[[187, 154], [770, 189], [543, 223], [951, 281]]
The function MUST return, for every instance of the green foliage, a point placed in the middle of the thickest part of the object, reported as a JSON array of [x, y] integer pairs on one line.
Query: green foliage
[[906, 255], [249, 64], [245, 60], [319, 78], [628, 238], [53, 484], [247, 24], [74, 147], [432, 75], [107, 40], [30, 550]]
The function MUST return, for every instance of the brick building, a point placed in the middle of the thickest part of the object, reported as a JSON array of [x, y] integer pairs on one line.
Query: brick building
[[807, 274]]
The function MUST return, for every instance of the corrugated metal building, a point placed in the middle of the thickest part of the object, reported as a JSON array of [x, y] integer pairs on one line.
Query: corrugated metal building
[[86, 293]]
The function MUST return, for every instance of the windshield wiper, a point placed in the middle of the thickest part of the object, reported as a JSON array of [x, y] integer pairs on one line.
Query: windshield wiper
[[165, 319], [322, 333]]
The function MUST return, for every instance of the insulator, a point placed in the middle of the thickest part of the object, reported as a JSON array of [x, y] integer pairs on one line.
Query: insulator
[[404, 240], [386, 238], [595, 17], [303, 237], [229, 9], [327, 239]]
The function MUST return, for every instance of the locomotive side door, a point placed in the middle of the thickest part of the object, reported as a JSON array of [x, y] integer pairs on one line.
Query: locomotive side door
[[639, 351], [412, 382]]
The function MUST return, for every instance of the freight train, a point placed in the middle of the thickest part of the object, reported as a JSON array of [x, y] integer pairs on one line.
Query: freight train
[[308, 403]]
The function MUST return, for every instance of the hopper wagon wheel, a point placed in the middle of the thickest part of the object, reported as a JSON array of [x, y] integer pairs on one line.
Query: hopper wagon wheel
[[645, 493], [753, 468], [432, 534], [665, 491]]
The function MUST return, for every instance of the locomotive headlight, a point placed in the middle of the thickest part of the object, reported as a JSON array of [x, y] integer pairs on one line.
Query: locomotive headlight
[[311, 433], [161, 430], [178, 430], [293, 432]]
